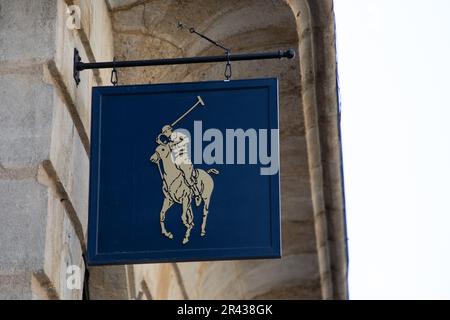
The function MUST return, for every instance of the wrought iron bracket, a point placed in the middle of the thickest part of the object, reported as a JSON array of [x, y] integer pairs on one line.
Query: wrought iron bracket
[[78, 65]]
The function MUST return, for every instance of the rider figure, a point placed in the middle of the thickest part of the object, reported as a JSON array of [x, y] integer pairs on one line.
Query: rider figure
[[178, 143]]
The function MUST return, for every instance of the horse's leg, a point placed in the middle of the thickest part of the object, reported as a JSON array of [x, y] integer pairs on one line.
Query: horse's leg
[[190, 221], [187, 218], [190, 217], [205, 215], [162, 216], [207, 190]]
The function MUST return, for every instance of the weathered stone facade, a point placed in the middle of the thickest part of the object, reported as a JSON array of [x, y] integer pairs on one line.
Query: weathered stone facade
[[45, 123]]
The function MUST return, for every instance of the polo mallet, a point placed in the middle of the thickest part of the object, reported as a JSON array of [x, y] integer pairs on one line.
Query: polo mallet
[[199, 101]]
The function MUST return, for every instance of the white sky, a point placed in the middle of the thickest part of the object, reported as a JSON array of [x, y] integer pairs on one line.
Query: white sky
[[394, 69]]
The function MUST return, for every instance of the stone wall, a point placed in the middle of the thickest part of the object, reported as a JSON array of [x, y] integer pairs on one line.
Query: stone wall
[[44, 156]]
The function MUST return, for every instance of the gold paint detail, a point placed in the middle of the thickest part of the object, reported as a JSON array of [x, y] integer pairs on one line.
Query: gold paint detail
[[181, 182]]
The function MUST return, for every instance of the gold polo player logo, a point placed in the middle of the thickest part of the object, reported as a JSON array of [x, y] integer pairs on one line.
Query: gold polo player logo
[[181, 182]]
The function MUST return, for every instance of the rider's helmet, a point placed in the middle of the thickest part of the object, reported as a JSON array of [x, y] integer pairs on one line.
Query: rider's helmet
[[166, 130]]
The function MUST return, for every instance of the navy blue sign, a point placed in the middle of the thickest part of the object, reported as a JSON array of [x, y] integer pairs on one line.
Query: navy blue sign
[[184, 172]]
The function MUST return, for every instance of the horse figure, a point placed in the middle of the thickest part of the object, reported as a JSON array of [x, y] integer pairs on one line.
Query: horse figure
[[176, 190]]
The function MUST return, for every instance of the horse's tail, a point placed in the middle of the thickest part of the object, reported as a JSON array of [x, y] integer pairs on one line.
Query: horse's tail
[[213, 171]]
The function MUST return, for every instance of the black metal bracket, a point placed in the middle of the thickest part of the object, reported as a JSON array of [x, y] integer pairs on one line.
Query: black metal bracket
[[78, 65], [76, 71]]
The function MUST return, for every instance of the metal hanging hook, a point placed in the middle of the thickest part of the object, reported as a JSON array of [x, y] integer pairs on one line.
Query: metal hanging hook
[[114, 77], [228, 71]]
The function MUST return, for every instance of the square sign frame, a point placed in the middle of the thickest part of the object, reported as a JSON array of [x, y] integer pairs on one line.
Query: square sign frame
[[126, 189]]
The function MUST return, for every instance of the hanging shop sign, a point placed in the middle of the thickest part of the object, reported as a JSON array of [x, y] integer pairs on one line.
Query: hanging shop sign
[[184, 172]]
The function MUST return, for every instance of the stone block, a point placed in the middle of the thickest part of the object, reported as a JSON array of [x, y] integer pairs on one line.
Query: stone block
[[16, 286], [62, 250], [63, 133], [191, 273], [148, 273], [70, 161], [174, 290], [292, 270], [22, 232], [160, 279], [296, 204], [25, 117], [108, 283], [101, 33], [22, 235], [298, 238], [216, 279], [114, 4], [79, 185], [27, 30], [293, 158], [77, 98]]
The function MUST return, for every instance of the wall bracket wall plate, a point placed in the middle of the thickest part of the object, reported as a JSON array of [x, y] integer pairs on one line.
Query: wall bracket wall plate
[[76, 71]]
